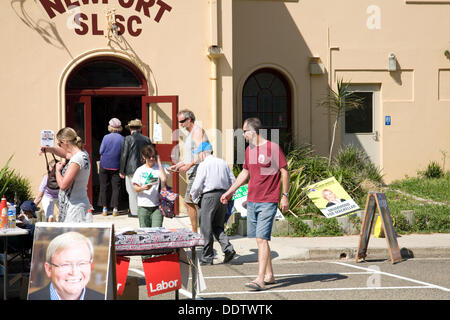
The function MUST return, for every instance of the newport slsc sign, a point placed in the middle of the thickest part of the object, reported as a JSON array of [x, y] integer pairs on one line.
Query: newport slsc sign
[[84, 24]]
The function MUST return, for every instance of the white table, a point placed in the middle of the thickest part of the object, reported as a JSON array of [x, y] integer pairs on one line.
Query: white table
[[12, 232]]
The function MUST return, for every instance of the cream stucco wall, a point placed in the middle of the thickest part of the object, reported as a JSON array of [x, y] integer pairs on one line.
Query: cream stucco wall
[[353, 39], [38, 53]]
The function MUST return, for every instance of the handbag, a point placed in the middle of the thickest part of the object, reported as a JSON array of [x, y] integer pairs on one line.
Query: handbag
[[51, 174], [167, 201]]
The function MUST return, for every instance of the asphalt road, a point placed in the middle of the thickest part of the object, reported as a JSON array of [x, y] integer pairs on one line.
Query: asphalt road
[[414, 279]]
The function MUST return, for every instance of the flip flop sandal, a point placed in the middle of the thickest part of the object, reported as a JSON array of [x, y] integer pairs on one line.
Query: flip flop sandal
[[269, 282], [254, 285]]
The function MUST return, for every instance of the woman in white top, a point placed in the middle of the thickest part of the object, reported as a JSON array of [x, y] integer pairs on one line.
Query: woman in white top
[[146, 181], [72, 177]]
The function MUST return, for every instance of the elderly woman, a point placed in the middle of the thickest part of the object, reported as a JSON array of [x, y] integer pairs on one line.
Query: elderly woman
[[110, 150], [72, 176]]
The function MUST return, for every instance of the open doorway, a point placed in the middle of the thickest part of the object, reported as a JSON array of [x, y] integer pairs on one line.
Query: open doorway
[[124, 108]]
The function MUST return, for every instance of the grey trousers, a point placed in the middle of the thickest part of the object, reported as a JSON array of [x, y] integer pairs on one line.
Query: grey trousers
[[212, 217]]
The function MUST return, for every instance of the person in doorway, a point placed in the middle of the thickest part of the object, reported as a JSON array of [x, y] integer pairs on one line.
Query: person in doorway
[[110, 150], [331, 197], [213, 178], [48, 196], [146, 182], [130, 160], [196, 135], [68, 265], [72, 176], [265, 165]]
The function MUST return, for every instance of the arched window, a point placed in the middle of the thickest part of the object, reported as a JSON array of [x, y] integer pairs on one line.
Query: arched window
[[102, 74], [266, 95]]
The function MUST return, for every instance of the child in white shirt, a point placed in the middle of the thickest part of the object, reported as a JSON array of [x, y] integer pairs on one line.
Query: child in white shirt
[[146, 180]]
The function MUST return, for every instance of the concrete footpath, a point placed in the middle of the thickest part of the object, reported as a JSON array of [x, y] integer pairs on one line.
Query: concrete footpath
[[435, 245]]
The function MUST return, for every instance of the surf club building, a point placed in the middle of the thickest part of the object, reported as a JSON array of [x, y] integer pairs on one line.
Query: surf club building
[[79, 63]]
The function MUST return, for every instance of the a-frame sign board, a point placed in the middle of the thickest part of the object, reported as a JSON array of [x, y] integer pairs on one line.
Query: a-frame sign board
[[378, 201]]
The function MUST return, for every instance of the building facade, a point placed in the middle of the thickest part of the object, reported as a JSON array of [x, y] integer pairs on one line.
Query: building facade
[[79, 63]]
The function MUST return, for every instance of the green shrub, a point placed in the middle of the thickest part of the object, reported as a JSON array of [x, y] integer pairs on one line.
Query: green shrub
[[401, 223], [433, 170], [351, 167], [326, 227], [17, 184], [5, 177], [301, 229]]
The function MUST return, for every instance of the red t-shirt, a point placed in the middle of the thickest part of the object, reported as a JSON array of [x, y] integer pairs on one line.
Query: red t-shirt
[[263, 163]]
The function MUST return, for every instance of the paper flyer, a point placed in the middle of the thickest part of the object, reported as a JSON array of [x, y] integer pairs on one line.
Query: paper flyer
[[47, 138], [240, 202], [332, 200]]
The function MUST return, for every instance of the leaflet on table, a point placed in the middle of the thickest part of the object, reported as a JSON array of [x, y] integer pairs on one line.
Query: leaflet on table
[[130, 231], [153, 230], [332, 200]]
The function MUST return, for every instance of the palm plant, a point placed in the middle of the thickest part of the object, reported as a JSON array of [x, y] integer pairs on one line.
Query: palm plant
[[5, 176], [337, 102]]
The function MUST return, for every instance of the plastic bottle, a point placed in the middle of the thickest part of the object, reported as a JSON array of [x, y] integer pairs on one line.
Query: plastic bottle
[[11, 215], [89, 217], [4, 213]]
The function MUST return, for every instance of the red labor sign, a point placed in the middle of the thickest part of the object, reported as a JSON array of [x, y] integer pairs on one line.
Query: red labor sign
[[122, 264], [162, 274]]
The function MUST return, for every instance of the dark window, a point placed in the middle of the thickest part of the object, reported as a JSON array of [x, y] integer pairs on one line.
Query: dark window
[[360, 120], [266, 95], [101, 74]]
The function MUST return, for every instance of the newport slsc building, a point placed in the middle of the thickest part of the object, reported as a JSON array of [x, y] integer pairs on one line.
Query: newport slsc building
[[79, 63]]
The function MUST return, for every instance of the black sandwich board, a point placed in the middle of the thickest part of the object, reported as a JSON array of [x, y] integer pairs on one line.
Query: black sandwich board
[[378, 201]]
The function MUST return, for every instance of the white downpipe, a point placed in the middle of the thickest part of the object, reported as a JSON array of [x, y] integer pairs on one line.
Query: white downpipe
[[213, 79]]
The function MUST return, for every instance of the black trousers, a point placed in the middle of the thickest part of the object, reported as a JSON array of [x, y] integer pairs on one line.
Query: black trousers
[[109, 178]]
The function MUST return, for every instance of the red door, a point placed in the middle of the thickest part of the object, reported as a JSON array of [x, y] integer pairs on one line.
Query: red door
[[164, 149], [79, 117]]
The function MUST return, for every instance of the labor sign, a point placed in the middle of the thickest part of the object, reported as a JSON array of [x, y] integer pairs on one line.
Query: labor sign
[[162, 274], [122, 264]]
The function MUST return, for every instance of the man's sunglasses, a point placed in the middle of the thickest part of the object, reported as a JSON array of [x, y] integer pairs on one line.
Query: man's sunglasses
[[184, 120]]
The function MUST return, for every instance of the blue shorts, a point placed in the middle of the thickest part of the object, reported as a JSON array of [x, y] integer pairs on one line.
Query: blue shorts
[[260, 216]]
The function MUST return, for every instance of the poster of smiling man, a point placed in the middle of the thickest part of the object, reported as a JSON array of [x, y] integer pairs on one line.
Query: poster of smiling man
[[71, 262], [332, 200]]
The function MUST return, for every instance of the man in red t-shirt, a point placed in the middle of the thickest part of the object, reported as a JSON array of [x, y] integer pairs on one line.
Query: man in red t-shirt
[[265, 165]]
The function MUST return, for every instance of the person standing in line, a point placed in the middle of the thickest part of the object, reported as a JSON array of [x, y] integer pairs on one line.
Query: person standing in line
[[196, 136], [48, 196], [130, 160], [213, 178], [110, 150], [265, 165], [72, 176], [146, 182]]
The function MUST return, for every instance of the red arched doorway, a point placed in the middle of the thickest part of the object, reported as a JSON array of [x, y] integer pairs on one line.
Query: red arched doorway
[[106, 87]]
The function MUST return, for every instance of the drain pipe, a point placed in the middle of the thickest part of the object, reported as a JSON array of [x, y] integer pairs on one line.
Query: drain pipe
[[214, 54]]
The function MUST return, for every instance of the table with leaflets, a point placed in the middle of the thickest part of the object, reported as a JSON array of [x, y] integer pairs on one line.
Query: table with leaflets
[[160, 241], [5, 233]]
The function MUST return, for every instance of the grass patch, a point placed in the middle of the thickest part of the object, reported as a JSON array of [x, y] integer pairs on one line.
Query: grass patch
[[433, 189], [428, 217]]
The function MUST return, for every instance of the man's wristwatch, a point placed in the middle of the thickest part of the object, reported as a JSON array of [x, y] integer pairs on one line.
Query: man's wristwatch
[[286, 194]]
